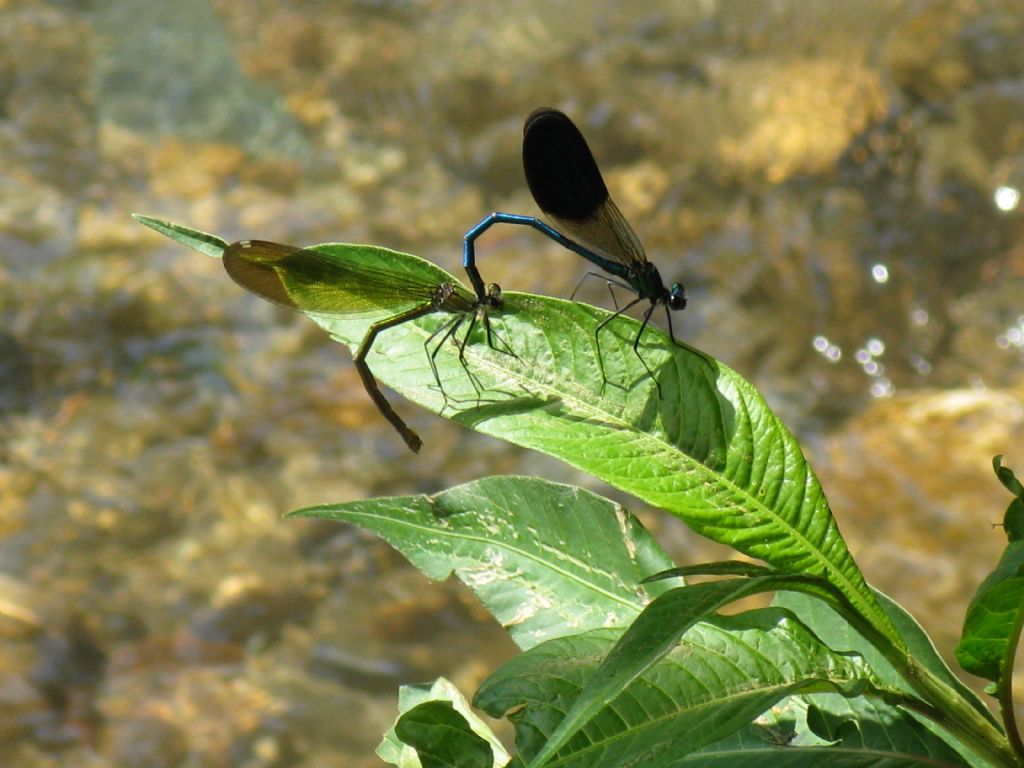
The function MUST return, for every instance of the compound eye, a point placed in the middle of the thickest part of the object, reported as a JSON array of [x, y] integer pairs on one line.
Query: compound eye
[[676, 297]]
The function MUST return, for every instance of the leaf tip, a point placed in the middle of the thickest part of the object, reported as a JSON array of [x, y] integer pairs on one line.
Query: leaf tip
[[204, 242]]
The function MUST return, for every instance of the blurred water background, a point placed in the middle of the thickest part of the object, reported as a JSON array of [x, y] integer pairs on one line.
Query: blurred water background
[[838, 185]]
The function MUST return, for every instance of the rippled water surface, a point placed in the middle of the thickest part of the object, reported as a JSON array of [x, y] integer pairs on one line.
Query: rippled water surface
[[838, 185]]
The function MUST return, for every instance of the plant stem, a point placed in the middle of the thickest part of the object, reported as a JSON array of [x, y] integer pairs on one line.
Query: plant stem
[[958, 717]]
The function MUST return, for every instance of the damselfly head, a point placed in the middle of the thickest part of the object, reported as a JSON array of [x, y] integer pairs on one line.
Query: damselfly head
[[493, 295], [676, 297]]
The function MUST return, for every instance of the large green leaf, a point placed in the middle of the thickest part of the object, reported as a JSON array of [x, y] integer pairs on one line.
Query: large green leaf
[[546, 559], [701, 443], [654, 634], [721, 676]]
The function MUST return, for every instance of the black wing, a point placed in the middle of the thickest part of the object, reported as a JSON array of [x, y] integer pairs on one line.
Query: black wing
[[567, 185]]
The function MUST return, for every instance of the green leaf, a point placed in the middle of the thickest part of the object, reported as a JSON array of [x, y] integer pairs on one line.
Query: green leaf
[[1013, 520], [654, 634], [205, 243], [841, 635], [858, 732], [707, 449], [546, 559], [993, 623], [867, 731], [960, 701], [722, 675], [442, 737], [1007, 477], [995, 617], [702, 444], [441, 712]]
